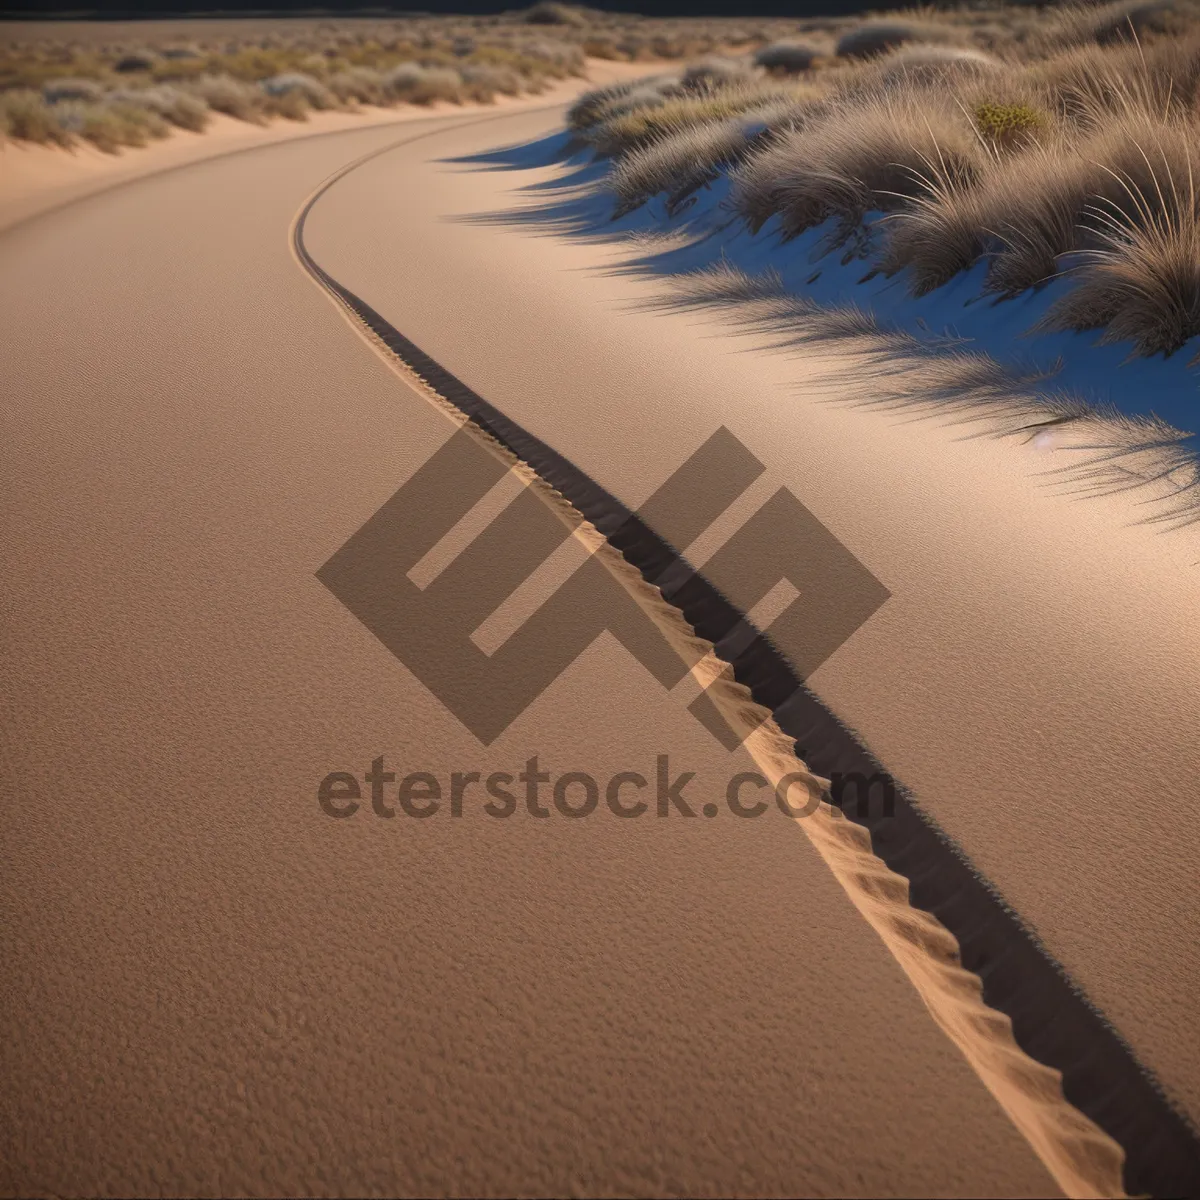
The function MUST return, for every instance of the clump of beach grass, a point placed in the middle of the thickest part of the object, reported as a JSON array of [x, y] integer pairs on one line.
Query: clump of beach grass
[[1056, 148]]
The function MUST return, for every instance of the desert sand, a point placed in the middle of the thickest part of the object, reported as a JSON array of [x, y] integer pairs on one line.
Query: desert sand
[[1032, 679], [212, 987]]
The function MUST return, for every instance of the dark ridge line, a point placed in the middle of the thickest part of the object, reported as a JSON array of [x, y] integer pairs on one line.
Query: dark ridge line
[[1053, 1021]]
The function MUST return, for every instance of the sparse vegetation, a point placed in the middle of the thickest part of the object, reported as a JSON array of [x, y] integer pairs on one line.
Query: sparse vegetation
[[258, 70], [786, 58], [1053, 144]]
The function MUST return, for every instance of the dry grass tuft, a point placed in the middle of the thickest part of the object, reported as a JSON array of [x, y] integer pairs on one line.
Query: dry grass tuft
[[631, 130], [1142, 284], [876, 154], [679, 165]]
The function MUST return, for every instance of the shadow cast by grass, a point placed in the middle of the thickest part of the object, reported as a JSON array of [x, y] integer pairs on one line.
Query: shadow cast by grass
[[935, 375]]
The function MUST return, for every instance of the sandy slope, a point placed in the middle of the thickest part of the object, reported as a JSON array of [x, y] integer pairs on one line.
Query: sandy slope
[[35, 178], [212, 988], [1034, 677]]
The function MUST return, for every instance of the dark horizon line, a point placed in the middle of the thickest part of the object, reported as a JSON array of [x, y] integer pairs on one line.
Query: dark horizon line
[[164, 10]]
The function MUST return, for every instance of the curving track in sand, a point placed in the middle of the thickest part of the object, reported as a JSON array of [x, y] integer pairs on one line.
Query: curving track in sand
[[212, 987]]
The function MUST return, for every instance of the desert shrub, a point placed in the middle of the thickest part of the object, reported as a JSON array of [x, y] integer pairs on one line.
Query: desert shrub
[[557, 59], [139, 60], [180, 108], [602, 47], [877, 37], [1009, 125], [713, 71], [482, 81], [361, 85], [253, 64], [110, 125], [785, 58], [872, 155], [178, 70], [415, 84], [72, 89], [641, 126], [931, 65], [292, 105], [28, 117], [230, 96], [314, 93], [547, 12]]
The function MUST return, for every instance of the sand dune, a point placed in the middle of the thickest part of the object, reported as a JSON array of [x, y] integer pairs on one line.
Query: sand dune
[[1006, 683], [212, 987], [1084, 1161]]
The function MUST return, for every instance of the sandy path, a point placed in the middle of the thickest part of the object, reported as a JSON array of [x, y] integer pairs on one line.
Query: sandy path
[[212, 988], [1034, 677]]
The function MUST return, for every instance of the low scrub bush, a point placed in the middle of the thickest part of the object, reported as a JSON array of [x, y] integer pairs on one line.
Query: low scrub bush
[[314, 93], [714, 71], [629, 130], [547, 12], [483, 82], [878, 37], [1051, 200], [183, 109], [27, 116], [1009, 126], [931, 66], [1056, 143], [230, 96], [139, 60], [591, 105], [786, 58], [58, 90], [415, 84], [110, 124], [359, 85]]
